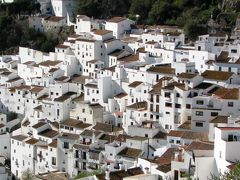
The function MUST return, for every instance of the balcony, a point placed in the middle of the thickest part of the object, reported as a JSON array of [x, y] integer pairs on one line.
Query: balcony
[[232, 138], [85, 143], [76, 155]]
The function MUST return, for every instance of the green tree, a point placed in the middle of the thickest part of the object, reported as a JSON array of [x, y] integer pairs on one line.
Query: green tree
[[27, 175], [233, 174]]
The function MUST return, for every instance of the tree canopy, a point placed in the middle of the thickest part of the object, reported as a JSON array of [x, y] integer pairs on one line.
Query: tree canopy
[[189, 14]]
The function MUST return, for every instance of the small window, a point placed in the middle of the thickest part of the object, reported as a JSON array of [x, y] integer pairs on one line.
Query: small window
[[188, 106], [199, 102], [199, 124], [168, 104], [177, 105], [167, 94], [214, 113], [230, 104], [199, 113]]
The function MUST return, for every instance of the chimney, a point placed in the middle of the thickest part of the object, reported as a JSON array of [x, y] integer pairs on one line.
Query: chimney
[[93, 137], [135, 164], [164, 82], [186, 85], [126, 168], [121, 167], [146, 170], [107, 174]]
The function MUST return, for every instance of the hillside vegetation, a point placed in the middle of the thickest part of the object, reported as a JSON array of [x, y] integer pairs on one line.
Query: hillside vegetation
[[14, 29], [190, 14]]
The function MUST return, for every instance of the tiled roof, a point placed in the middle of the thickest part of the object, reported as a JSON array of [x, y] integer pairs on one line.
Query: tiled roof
[[49, 63], [167, 157], [189, 135], [79, 79], [36, 89], [120, 175], [220, 119], [48, 133], [81, 146], [116, 19], [62, 78], [172, 85], [129, 58], [216, 75], [19, 137], [223, 57], [130, 152], [160, 135], [151, 42], [164, 168], [89, 133], [225, 93], [38, 108], [112, 69], [69, 136], [156, 89], [65, 97], [140, 106], [101, 32], [106, 127], [32, 141], [135, 84], [198, 145], [161, 70], [75, 123], [53, 143], [38, 125], [185, 125], [187, 75], [121, 95]]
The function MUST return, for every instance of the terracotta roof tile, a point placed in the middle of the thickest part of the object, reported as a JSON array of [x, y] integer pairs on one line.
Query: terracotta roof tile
[[121, 95], [32, 141], [19, 137], [49, 63], [48, 133], [216, 75], [130, 153], [53, 143], [225, 93], [135, 84], [101, 32], [116, 19], [220, 119], [198, 145], [140, 106], [161, 70], [75, 123], [38, 125]]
